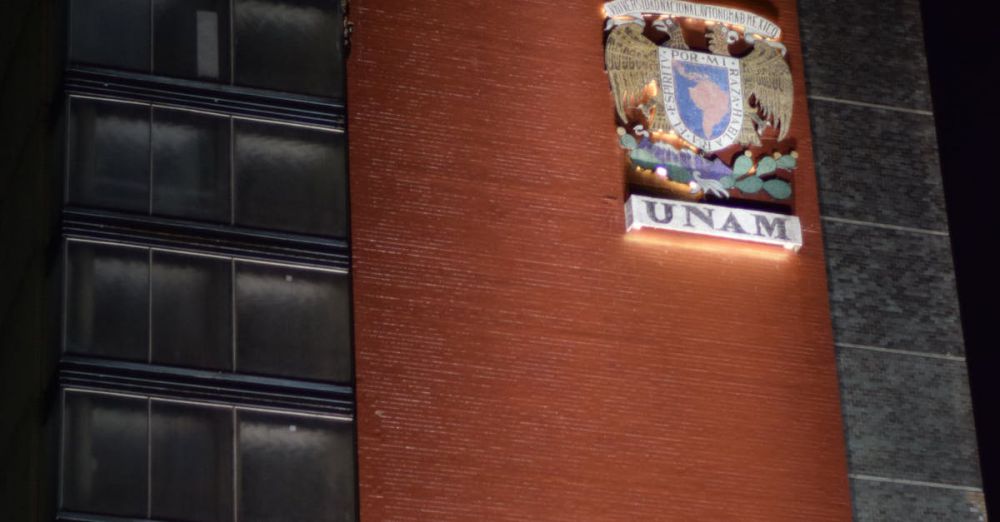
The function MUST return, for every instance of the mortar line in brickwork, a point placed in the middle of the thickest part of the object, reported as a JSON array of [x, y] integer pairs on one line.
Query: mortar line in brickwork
[[883, 225], [956, 358], [907, 482], [921, 112]]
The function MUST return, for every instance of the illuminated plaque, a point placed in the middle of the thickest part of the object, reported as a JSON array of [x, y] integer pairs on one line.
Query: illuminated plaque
[[712, 220], [703, 99]]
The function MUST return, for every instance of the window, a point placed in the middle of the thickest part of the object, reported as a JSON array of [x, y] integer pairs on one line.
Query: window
[[147, 457], [291, 46], [203, 166], [206, 371]]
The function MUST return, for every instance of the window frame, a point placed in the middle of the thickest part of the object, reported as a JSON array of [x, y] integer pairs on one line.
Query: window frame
[[294, 396]]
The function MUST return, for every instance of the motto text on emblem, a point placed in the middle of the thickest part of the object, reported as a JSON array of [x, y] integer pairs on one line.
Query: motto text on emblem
[[703, 98]]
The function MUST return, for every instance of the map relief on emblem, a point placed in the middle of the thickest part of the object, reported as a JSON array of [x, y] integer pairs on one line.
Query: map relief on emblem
[[703, 100]]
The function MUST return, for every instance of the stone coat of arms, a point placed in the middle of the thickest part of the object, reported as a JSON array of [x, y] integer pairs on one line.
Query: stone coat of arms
[[703, 98]]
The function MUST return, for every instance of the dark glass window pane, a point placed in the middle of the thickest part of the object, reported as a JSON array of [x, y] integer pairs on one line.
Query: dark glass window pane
[[191, 165], [109, 155], [292, 322], [192, 39], [110, 33], [191, 462], [192, 320], [290, 178], [107, 300], [290, 45], [295, 468], [104, 454]]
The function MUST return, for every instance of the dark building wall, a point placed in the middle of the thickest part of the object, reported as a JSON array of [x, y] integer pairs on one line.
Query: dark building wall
[[908, 419], [519, 358], [27, 75]]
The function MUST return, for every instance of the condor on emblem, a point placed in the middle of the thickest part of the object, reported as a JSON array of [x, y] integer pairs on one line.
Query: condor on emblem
[[703, 98]]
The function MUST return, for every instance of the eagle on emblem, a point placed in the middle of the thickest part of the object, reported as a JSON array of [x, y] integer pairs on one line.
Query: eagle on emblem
[[633, 63]]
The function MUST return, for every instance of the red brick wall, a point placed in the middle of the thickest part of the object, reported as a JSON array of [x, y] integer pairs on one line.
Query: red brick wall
[[518, 358]]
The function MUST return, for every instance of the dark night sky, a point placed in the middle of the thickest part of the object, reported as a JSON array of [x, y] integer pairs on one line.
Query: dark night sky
[[962, 45]]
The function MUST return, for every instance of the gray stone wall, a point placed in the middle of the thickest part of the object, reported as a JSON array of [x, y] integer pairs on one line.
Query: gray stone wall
[[905, 393], [27, 79]]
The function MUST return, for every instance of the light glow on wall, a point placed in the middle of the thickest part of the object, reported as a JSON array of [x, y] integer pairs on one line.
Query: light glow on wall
[[665, 241]]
